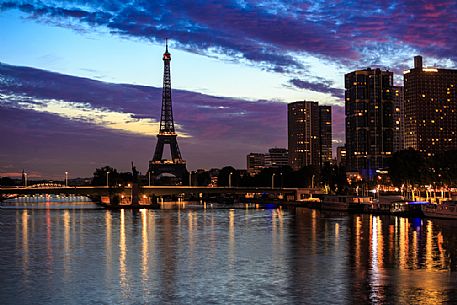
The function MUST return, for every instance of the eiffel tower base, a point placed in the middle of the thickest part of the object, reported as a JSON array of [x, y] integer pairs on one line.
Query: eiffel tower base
[[178, 170]]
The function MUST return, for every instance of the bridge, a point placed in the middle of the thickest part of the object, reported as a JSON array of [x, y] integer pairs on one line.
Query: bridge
[[150, 191]]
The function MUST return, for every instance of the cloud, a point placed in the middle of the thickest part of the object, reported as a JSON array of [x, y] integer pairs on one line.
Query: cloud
[[84, 112], [322, 86], [45, 126]]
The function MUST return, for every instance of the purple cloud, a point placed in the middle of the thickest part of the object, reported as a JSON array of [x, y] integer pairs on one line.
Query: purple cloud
[[266, 34], [222, 130], [322, 86]]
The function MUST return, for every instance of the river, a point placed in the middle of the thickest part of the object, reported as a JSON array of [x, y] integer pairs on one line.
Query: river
[[191, 255]]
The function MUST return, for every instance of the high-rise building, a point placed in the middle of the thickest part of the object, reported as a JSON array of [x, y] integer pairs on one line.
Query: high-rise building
[[325, 133], [399, 118], [430, 108], [341, 156], [304, 138], [369, 120], [255, 163], [276, 158]]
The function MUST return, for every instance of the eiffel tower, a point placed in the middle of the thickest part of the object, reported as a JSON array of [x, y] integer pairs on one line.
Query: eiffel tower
[[167, 135]]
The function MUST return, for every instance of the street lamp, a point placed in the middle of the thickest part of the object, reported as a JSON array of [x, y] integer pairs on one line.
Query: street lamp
[[230, 179], [273, 181], [66, 179], [312, 182], [107, 181], [25, 179], [149, 178], [190, 178], [281, 180]]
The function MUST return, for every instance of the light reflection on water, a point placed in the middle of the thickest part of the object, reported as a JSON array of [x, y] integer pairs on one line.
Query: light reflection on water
[[189, 256]]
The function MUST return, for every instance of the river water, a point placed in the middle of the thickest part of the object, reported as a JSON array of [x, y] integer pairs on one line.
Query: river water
[[219, 256]]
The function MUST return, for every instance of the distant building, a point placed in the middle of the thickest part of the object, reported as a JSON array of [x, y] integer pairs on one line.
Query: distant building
[[214, 173], [255, 163], [369, 120], [430, 108], [304, 134], [341, 156], [276, 158], [325, 133], [399, 118]]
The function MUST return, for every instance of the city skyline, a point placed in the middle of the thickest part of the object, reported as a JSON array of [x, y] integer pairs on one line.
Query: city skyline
[[232, 71]]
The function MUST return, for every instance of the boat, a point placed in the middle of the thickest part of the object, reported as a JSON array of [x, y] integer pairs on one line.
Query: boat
[[447, 210], [345, 203], [395, 206]]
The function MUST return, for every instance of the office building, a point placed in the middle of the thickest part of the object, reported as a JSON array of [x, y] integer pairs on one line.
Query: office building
[[341, 156], [276, 158], [255, 163], [369, 120], [430, 108], [399, 118], [304, 134], [325, 133]]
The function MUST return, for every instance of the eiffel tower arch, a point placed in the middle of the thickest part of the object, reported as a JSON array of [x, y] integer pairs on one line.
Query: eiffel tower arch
[[167, 135]]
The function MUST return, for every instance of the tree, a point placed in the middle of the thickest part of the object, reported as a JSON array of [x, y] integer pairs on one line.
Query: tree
[[224, 174], [445, 167], [409, 166], [101, 174]]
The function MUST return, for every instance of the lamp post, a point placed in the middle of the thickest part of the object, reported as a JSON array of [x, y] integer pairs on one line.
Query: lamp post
[[66, 179], [149, 178], [190, 178], [282, 180], [273, 181], [230, 179], [312, 182], [107, 181], [25, 179]]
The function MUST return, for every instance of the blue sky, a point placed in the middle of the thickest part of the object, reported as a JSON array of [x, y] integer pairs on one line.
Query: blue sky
[[262, 52]]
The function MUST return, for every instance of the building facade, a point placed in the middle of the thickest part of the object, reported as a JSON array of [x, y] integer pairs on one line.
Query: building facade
[[304, 134], [430, 108], [399, 118], [325, 133], [341, 156], [369, 120], [255, 162], [277, 157]]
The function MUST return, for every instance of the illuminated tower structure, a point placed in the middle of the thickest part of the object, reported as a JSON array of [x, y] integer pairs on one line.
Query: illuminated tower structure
[[430, 108], [167, 135], [369, 120]]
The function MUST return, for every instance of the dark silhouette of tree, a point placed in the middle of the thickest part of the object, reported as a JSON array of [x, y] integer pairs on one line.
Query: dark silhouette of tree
[[223, 177], [444, 167], [409, 166], [6, 181], [100, 175]]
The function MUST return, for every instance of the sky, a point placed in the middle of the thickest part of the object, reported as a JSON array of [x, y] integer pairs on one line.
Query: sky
[[80, 81]]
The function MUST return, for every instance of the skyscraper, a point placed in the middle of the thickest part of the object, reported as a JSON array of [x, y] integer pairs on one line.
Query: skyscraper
[[399, 118], [430, 108], [304, 133], [325, 133], [369, 120]]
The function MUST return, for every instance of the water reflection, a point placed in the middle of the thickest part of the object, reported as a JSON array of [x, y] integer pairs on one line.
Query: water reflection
[[66, 243], [25, 242], [123, 280], [225, 257]]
